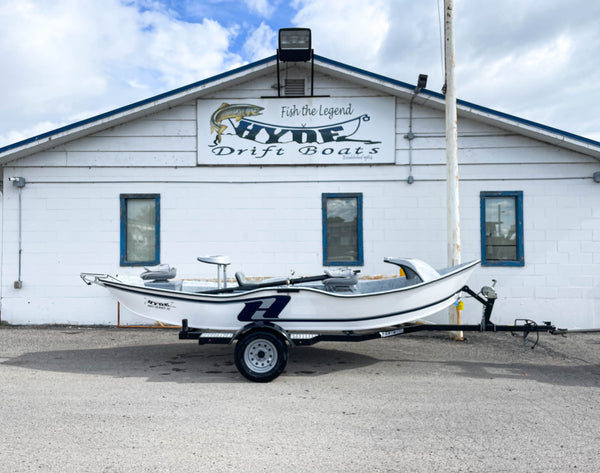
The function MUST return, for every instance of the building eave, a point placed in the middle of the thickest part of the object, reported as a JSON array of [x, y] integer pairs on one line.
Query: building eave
[[466, 109], [372, 80]]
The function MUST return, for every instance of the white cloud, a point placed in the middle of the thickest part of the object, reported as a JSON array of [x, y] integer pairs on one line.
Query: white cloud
[[261, 43], [533, 60], [182, 52], [61, 59], [262, 7], [351, 31], [530, 59], [498, 73]]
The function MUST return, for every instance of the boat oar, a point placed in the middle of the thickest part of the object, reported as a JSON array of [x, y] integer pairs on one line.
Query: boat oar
[[260, 285]]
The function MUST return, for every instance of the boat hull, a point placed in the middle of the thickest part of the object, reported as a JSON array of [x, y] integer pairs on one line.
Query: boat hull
[[293, 308]]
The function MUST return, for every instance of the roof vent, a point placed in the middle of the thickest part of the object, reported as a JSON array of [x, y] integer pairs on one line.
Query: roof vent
[[294, 88]]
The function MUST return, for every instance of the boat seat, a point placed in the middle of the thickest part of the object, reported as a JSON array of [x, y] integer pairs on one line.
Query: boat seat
[[341, 280], [160, 272], [219, 259], [170, 285], [245, 284], [414, 268], [222, 262], [242, 281]]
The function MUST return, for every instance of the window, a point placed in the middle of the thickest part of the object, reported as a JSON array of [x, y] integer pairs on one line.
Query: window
[[342, 229], [140, 229], [502, 228]]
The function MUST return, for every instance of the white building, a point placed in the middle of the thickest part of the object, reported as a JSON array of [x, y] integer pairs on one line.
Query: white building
[[348, 176]]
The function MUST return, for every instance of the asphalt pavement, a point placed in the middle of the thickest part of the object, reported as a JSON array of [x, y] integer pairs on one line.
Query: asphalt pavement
[[139, 400]]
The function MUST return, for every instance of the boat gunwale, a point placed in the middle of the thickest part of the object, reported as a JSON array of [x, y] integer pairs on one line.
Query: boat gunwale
[[233, 297]]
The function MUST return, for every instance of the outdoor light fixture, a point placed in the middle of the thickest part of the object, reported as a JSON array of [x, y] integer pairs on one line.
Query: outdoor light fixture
[[294, 45], [597, 176], [17, 181], [422, 82]]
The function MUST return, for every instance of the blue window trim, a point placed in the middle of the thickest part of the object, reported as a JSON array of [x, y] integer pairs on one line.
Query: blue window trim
[[359, 228], [123, 216], [518, 195]]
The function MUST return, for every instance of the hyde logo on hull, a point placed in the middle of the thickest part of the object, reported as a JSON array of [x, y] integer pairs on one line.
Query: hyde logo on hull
[[264, 308]]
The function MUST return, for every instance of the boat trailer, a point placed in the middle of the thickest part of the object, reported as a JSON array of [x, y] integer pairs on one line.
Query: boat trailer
[[261, 351]]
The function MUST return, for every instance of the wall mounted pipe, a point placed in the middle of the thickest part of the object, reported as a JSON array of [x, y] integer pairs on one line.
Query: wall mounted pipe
[[422, 82], [19, 182], [410, 136]]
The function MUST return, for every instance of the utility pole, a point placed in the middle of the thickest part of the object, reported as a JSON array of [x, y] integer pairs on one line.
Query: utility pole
[[452, 214]]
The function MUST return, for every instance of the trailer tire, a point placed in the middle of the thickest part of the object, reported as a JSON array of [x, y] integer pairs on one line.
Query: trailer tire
[[261, 356]]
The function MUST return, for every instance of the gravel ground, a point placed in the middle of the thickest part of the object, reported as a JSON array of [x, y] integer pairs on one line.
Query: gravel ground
[[139, 400]]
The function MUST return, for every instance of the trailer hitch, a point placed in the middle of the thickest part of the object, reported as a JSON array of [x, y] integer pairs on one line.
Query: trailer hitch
[[528, 326], [524, 327]]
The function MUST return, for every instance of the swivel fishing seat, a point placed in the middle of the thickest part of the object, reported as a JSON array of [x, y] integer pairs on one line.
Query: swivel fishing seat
[[222, 262]]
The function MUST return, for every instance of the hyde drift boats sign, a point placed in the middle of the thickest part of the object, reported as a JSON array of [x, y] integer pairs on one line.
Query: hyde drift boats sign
[[296, 131]]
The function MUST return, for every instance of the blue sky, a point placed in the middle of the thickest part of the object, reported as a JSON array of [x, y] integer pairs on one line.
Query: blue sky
[[245, 16], [66, 60]]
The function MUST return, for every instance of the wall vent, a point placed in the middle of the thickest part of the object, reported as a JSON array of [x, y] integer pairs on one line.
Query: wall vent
[[294, 88]]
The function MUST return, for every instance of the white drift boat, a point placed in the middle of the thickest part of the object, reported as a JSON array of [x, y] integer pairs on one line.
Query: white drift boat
[[333, 302], [265, 319]]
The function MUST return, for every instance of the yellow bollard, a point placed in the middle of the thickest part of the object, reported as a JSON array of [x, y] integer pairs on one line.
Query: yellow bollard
[[460, 305]]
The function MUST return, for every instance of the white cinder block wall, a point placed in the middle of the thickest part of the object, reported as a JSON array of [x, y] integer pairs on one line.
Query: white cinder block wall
[[268, 219]]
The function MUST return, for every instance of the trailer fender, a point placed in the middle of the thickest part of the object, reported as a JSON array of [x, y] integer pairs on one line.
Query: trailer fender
[[263, 326]]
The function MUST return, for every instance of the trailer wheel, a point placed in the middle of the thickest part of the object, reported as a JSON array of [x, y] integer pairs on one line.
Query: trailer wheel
[[261, 356]]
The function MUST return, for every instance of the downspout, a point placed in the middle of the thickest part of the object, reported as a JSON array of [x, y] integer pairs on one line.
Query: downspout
[[19, 283], [19, 182]]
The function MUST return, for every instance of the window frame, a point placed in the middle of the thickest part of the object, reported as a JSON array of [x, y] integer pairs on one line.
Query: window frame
[[518, 195], [123, 198], [359, 228]]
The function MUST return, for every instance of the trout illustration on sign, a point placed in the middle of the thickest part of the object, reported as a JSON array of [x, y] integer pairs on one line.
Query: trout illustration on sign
[[226, 112]]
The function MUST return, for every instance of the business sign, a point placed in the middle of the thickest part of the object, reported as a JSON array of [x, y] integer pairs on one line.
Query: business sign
[[302, 130]]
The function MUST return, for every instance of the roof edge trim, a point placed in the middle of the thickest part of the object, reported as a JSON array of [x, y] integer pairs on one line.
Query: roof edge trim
[[463, 103], [331, 62], [134, 105]]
